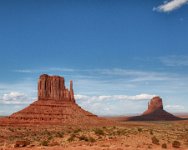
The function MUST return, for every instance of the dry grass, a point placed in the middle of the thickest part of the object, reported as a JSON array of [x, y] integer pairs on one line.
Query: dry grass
[[152, 135]]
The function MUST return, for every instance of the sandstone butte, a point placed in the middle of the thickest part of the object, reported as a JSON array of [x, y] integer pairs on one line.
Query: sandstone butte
[[55, 106], [155, 112]]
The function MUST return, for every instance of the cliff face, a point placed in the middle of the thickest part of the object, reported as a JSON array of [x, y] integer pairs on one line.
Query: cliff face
[[53, 87]]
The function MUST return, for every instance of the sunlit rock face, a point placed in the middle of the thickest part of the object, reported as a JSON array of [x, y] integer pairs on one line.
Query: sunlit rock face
[[53, 87]]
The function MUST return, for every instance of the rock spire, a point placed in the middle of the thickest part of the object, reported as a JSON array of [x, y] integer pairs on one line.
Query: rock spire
[[53, 87], [155, 112], [55, 105]]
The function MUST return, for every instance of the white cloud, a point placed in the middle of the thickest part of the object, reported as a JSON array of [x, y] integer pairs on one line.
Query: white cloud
[[14, 98], [171, 5], [102, 91], [175, 108], [175, 61], [49, 69], [115, 97], [114, 104], [134, 75]]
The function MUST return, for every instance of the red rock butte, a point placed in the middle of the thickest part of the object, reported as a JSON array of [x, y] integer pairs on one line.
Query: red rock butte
[[155, 112], [55, 105], [53, 88]]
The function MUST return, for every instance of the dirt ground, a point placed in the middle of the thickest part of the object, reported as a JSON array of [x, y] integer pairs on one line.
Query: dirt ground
[[129, 136]]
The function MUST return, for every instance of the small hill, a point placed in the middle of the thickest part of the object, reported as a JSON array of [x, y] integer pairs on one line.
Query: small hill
[[155, 112]]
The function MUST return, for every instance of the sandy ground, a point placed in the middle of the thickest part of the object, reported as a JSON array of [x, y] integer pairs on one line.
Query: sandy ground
[[129, 136]]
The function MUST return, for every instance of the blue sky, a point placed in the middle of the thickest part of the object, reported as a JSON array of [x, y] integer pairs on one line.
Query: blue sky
[[118, 53]]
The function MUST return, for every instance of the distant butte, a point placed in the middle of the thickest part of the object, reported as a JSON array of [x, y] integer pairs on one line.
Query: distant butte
[[55, 105], [155, 112]]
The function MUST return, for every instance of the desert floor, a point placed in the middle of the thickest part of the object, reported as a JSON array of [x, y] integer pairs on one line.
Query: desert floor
[[128, 136]]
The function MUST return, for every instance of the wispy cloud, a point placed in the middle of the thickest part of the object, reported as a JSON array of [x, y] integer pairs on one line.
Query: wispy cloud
[[170, 5], [175, 61], [115, 97], [49, 69], [15, 98], [114, 104], [134, 75], [175, 108], [109, 91]]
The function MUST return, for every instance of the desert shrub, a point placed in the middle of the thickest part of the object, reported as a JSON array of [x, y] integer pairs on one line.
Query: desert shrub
[[91, 139], [54, 143], [83, 138], [140, 129], [99, 132], [77, 130], [50, 137], [46, 132], [11, 129], [164, 145], [155, 140], [44, 143], [71, 138], [176, 144], [118, 132], [60, 134], [151, 132]]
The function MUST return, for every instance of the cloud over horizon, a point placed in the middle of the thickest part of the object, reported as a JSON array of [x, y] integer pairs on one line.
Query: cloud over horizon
[[112, 91], [175, 61], [169, 6], [138, 97], [14, 98], [114, 105]]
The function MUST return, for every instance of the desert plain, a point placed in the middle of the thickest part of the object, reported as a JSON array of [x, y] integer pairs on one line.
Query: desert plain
[[56, 122], [123, 136]]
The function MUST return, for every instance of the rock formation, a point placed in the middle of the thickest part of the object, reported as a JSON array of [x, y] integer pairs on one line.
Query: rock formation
[[155, 104], [55, 105], [155, 112], [53, 88]]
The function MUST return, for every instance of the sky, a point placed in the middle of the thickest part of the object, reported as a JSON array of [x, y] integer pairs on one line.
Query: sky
[[118, 53]]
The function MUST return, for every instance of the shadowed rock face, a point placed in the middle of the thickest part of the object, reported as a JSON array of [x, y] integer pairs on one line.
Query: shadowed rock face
[[55, 105], [154, 112]]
